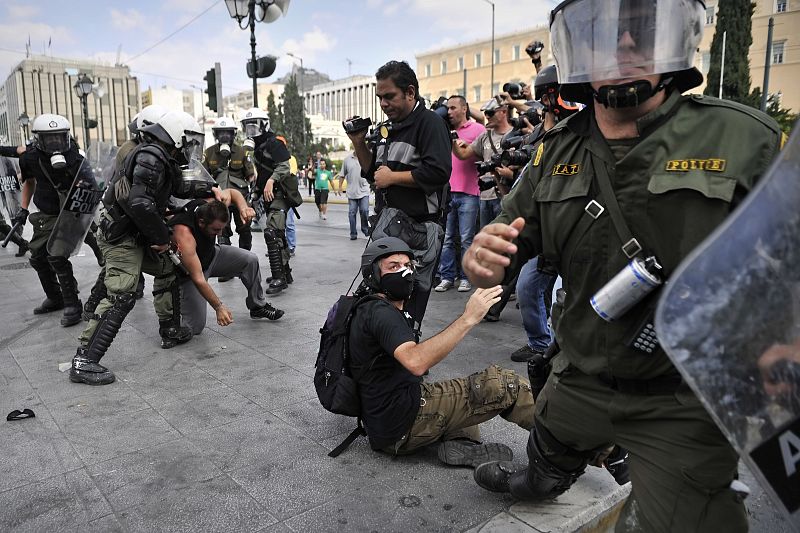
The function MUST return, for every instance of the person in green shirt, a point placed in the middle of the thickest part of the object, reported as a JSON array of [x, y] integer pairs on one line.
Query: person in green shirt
[[642, 172], [322, 183]]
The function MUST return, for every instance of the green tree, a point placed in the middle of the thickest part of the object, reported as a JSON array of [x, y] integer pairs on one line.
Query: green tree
[[784, 117], [275, 113], [735, 18], [295, 121]]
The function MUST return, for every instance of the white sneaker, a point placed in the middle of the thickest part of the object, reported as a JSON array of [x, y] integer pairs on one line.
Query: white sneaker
[[324, 217], [444, 285], [320, 215], [464, 286]]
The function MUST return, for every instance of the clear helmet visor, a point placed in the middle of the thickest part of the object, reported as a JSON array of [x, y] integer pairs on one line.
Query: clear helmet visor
[[51, 142], [224, 136], [192, 146], [252, 129], [600, 40]]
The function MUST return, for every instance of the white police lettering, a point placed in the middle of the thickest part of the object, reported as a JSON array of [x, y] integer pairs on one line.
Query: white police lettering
[[790, 450], [83, 200], [9, 183]]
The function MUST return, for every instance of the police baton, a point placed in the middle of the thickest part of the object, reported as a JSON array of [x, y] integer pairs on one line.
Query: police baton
[[14, 228]]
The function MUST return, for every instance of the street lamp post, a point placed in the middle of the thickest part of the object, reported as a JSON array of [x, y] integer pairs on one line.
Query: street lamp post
[[24, 120], [83, 87], [491, 87], [302, 94], [255, 11]]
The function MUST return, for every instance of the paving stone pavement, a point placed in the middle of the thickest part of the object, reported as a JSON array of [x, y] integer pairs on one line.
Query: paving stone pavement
[[225, 433]]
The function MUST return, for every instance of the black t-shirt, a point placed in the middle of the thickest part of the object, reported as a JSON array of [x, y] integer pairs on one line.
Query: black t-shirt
[[390, 394], [420, 144], [206, 244], [36, 165]]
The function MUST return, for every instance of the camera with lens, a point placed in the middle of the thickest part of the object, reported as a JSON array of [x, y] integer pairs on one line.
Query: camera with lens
[[486, 167], [535, 47], [518, 157], [514, 89], [356, 124]]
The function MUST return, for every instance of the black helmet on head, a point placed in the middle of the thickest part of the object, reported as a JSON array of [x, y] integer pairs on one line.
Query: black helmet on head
[[599, 40], [379, 249], [547, 84]]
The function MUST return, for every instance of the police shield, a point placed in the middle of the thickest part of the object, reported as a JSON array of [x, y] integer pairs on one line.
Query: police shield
[[102, 158], [77, 213], [729, 318]]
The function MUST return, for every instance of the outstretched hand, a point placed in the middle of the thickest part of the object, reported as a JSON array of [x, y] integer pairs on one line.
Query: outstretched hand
[[480, 302]]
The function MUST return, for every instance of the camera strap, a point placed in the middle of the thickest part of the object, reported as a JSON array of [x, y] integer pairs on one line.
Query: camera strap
[[630, 245]]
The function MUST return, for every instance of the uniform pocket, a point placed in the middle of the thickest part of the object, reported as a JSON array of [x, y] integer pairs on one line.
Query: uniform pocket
[[711, 186]]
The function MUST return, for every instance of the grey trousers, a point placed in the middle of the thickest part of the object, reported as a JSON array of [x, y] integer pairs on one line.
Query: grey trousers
[[229, 261]]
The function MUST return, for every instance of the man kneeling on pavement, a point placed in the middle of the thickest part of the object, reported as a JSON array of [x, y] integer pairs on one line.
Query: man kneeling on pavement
[[194, 231], [399, 411]]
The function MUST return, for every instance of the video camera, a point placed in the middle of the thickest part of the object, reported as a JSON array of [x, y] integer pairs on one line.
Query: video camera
[[534, 48], [356, 124]]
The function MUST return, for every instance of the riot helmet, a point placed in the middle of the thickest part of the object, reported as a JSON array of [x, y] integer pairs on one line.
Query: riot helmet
[[149, 115], [625, 41], [51, 136], [224, 131], [378, 249], [255, 122], [547, 91], [179, 130]]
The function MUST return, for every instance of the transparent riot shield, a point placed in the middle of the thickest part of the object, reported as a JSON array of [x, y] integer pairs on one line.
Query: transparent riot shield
[[729, 318], [79, 206], [196, 182]]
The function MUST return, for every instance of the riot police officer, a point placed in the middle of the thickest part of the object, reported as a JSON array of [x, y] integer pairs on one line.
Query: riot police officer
[[147, 116], [48, 169], [272, 165], [230, 167], [133, 235], [599, 196]]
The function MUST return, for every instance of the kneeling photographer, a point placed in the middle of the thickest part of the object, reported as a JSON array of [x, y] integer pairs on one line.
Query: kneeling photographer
[[492, 173]]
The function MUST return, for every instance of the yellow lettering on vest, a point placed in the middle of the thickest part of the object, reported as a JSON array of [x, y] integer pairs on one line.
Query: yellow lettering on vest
[[566, 169], [685, 165]]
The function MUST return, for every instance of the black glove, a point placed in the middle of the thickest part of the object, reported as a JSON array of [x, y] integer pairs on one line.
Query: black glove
[[21, 217]]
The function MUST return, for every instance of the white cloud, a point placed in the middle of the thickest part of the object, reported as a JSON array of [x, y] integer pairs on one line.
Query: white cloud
[[309, 47], [17, 11], [130, 19]]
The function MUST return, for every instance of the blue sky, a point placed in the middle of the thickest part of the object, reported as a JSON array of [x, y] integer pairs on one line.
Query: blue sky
[[325, 33]]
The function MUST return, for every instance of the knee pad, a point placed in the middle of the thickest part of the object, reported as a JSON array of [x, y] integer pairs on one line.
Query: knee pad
[[543, 480]]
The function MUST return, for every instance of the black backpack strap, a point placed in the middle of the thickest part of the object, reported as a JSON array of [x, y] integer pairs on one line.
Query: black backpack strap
[[358, 432]]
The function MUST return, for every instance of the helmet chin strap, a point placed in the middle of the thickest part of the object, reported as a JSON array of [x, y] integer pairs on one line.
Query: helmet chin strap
[[629, 94]]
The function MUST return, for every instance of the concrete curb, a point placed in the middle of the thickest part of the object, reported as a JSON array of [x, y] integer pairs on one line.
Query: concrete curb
[[599, 515]]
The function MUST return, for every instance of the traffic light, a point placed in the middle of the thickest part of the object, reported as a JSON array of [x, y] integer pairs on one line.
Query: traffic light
[[265, 67], [211, 81]]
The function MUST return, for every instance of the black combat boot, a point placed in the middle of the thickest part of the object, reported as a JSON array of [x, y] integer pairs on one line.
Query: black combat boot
[[277, 282], [52, 291], [73, 308], [89, 372], [86, 367], [172, 333]]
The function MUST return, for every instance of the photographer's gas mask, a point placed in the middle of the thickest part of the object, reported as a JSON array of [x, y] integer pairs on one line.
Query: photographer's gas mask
[[225, 139], [56, 144]]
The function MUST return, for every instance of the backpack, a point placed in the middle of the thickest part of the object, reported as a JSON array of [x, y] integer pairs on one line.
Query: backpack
[[337, 388]]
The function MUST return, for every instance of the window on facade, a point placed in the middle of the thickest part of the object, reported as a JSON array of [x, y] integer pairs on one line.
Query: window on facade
[[460, 63], [496, 56], [515, 52], [710, 15], [780, 6], [476, 93], [428, 70], [477, 60], [496, 88], [777, 52], [443, 67]]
